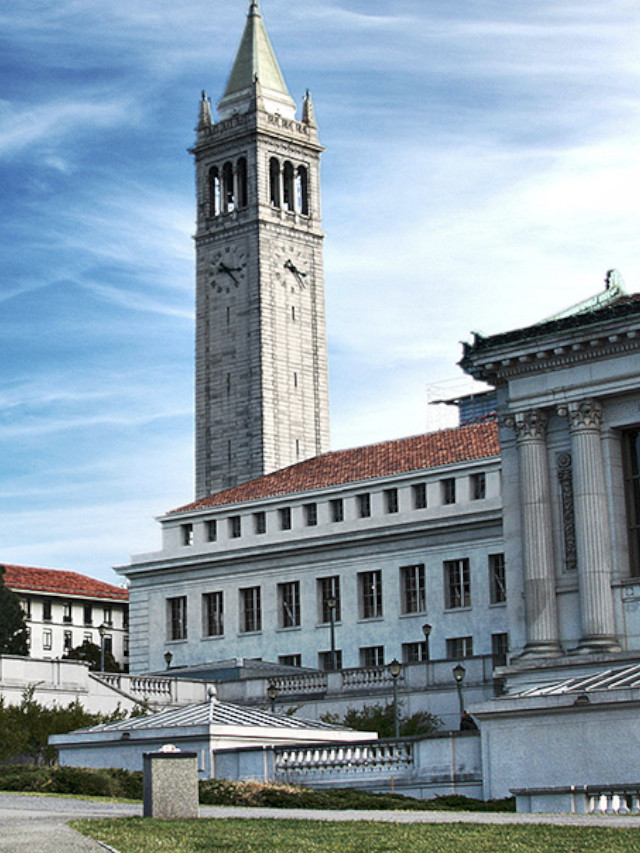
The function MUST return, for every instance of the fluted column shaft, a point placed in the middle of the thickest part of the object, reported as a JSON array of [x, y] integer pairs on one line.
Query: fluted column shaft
[[593, 540], [541, 608]]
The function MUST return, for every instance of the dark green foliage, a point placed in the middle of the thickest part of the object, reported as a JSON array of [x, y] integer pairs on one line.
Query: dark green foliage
[[381, 719], [14, 637], [90, 653], [25, 728], [82, 781]]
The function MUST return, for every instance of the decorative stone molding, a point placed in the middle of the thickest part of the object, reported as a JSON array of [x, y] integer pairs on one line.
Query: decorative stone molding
[[528, 426], [585, 415], [565, 478]]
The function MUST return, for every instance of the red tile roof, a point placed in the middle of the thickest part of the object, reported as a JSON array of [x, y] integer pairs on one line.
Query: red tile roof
[[446, 447], [60, 582]]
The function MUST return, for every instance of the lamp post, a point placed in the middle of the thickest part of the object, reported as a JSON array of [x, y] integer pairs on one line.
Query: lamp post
[[395, 668], [102, 630], [459, 673], [332, 603], [272, 693], [168, 657]]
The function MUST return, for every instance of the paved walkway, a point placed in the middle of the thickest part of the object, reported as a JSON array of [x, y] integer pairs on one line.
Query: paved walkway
[[32, 824]]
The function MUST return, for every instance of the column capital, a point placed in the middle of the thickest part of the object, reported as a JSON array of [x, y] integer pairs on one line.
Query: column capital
[[528, 426], [583, 415]]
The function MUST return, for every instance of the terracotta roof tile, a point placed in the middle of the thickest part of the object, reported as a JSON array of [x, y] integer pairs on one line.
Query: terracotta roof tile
[[60, 582], [475, 441]]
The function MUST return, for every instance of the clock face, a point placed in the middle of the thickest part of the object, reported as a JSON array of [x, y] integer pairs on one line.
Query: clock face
[[227, 269], [291, 267]]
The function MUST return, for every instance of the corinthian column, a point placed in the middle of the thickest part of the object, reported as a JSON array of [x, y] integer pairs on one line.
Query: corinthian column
[[593, 541], [541, 611]]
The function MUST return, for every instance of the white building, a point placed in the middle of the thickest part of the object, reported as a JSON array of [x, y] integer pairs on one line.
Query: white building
[[398, 535], [64, 609]]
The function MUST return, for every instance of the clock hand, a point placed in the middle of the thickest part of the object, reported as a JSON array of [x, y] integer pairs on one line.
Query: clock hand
[[230, 272], [289, 265]]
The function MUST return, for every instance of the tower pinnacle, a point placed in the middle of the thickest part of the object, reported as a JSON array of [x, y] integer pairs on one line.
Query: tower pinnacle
[[256, 60]]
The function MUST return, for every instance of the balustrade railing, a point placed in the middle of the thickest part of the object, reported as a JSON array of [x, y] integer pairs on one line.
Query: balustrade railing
[[615, 800], [396, 757], [142, 685], [304, 683], [372, 676]]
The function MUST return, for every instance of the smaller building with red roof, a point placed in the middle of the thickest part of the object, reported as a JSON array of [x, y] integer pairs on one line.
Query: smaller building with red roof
[[65, 609]]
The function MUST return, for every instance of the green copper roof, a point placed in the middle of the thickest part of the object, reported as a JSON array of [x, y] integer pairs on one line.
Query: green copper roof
[[255, 58]]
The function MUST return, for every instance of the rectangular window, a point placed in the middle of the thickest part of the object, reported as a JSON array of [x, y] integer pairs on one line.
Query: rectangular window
[[285, 518], [419, 494], [364, 505], [499, 649], [87, 637], [186, 534], [459, 647], [67, 641], [88, 614], [478, 486], [311, 515], [107, 615], [235, 527], [108, 644], [125, 646], [213, 612], [391, 500], [290, 660], [46, 611], [457, 584], [289, 604], [260, 522], [125, 617], [497, 579], [370, 599], [329, 599], [66, 612], [250, 610], [337, 510], [414, 652], [324, 660], [47, 639], [631, 450], [372, 656], [212, 530], [412, 585], [25, 604], [177, 618], [448, 490]]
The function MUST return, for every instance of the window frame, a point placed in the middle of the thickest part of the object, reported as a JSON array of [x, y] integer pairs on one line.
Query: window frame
[[213, 616], [370, 603], [413, 589], [457, 583], [289, 605], [177, 618]]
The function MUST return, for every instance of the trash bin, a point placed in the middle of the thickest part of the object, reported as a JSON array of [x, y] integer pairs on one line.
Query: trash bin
[[170, 784]]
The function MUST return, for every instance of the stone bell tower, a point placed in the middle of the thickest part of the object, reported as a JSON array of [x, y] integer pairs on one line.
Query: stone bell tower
[[261, 352]]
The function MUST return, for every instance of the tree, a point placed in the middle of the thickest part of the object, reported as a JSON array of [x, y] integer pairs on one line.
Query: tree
[[90, 653], [381, 719], [14, 634]]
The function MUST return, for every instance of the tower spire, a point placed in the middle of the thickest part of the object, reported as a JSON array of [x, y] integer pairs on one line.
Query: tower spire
[[256, 60]]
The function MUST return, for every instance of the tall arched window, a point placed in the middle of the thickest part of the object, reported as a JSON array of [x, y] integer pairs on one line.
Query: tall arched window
[[274, 182], [214, 197], [228, 197], [288, 192], [242, 182], [302, 190]]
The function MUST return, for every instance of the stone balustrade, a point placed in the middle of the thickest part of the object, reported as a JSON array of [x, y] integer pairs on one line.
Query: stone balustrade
[[396, 757], [616, 800], [368, 677], [305, 682], [580, 799]]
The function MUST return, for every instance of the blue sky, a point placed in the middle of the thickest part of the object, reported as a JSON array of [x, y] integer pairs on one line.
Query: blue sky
[[482, 172]]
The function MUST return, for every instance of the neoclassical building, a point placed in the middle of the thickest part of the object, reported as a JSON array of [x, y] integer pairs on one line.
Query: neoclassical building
[[569, 408]]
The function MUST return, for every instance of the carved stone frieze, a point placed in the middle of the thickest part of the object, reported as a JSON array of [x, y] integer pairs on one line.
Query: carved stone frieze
[[565, 478]]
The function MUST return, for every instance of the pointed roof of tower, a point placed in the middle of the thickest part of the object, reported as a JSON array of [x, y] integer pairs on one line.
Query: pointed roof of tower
[[256, 61]]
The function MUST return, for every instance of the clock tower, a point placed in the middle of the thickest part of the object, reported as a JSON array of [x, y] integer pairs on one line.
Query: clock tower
[[261, 352]]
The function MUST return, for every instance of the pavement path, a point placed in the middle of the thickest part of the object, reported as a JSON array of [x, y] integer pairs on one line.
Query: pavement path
[[39, 824]]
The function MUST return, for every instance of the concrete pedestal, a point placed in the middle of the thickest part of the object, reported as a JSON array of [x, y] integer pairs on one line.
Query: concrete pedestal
[[170, 784]]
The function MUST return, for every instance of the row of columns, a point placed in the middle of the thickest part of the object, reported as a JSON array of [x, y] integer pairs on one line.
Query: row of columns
[[593, 544]]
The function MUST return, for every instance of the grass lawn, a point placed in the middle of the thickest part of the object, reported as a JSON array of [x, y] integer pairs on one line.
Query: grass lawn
[[138, 835]]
